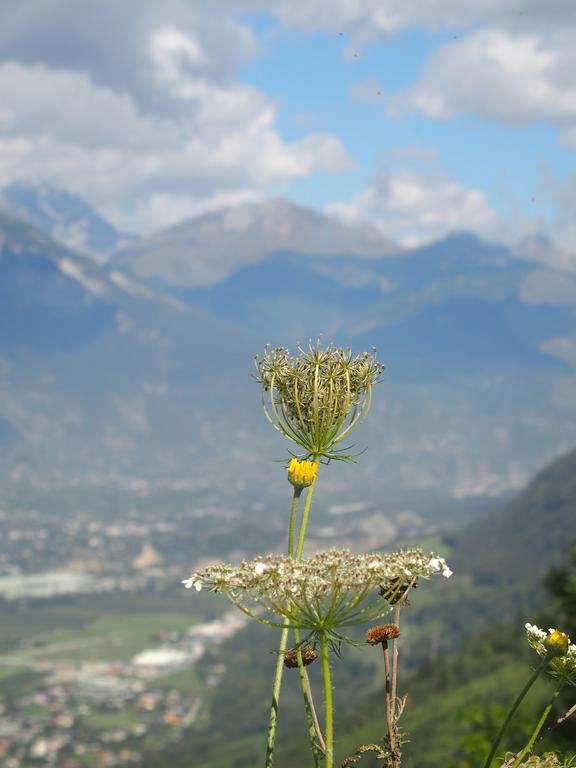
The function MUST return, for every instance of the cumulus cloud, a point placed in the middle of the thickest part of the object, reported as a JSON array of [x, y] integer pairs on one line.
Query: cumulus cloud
[[376, 18], [512, 78], [141, 113], [414, 207]]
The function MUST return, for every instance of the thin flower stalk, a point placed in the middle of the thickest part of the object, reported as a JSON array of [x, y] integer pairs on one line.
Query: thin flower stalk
[[317, 745], [277, 684], [273, 718], [389, 703], [539, 725], [328, 704], [300, 475], [520, 698], [306, 514], [381, 635]]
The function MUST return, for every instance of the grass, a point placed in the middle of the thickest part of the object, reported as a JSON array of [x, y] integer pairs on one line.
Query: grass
[[109, 721], [186, 680], [6, 672], [115, 638]]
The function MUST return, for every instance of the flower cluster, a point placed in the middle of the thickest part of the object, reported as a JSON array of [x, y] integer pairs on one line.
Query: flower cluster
[[317, 397], [563, 662], [324, 592], [548, 760]]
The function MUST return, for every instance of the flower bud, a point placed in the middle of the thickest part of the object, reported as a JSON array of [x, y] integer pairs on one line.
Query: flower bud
[[302, 473], [557, 643]]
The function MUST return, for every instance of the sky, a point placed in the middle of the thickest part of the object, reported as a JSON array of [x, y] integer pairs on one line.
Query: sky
[[422, 117]]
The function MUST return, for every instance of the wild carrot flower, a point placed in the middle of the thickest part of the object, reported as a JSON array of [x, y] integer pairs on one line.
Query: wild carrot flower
[[556, 644], [318, 397], [323, 593]]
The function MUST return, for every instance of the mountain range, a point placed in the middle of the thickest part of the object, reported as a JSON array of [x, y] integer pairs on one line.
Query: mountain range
[[133, 368]]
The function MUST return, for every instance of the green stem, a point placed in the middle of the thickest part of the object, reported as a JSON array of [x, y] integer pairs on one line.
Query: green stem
[[293, 516], [539, 725], [317, 745], [277, 685], [305, 516], [273, 720], [329, 727], [275, 699], [539, 669]]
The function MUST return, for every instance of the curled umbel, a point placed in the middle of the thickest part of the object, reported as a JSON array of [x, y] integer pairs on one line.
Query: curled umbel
[[318, 397]]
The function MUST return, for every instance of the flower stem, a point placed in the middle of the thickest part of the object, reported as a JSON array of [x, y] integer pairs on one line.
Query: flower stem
[[277, 685], [539, 725], [305, 515], [394, 677], [539, 669], [389, 702], [273, 720], [293, 516], [317, 745], [329, 727]]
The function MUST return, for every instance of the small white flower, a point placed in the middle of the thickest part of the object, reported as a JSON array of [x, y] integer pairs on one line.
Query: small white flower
[[434, 563], [446, 572], [198, 586], [259, 569]]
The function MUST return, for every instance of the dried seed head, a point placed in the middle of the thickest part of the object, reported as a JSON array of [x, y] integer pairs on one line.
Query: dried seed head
[[308, 656], [382, 634], [317, 397], [396, 590]]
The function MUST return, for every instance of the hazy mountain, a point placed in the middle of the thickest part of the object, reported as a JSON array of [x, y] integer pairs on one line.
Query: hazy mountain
[[99, 374], [65, 217], [206, 249], [109, 379]]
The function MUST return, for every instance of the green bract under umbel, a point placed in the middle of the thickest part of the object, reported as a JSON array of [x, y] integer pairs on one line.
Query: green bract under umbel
[[318, 397]]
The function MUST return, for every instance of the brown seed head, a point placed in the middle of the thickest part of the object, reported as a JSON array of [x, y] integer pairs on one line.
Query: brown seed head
[[382, 634], [308, 656]]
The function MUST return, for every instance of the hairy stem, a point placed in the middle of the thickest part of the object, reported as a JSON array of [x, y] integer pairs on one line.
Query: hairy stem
[[273, 720], [329, 727], [293, 516], [305, 516], [389, 700], [395, 659], [539, 725], [539, 669], [277, 685], [317, 745]]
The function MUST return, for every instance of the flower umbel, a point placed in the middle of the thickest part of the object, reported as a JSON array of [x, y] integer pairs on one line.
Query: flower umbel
[[322, 593], [556, 644], [302, 473], [318, 397]]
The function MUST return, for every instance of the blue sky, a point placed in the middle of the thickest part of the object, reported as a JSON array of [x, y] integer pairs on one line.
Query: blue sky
[[422, 118]]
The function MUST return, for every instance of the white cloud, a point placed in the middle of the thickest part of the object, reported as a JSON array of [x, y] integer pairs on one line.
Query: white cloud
[[98, 143], [512, 78], [375, 18], [415, 207]]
